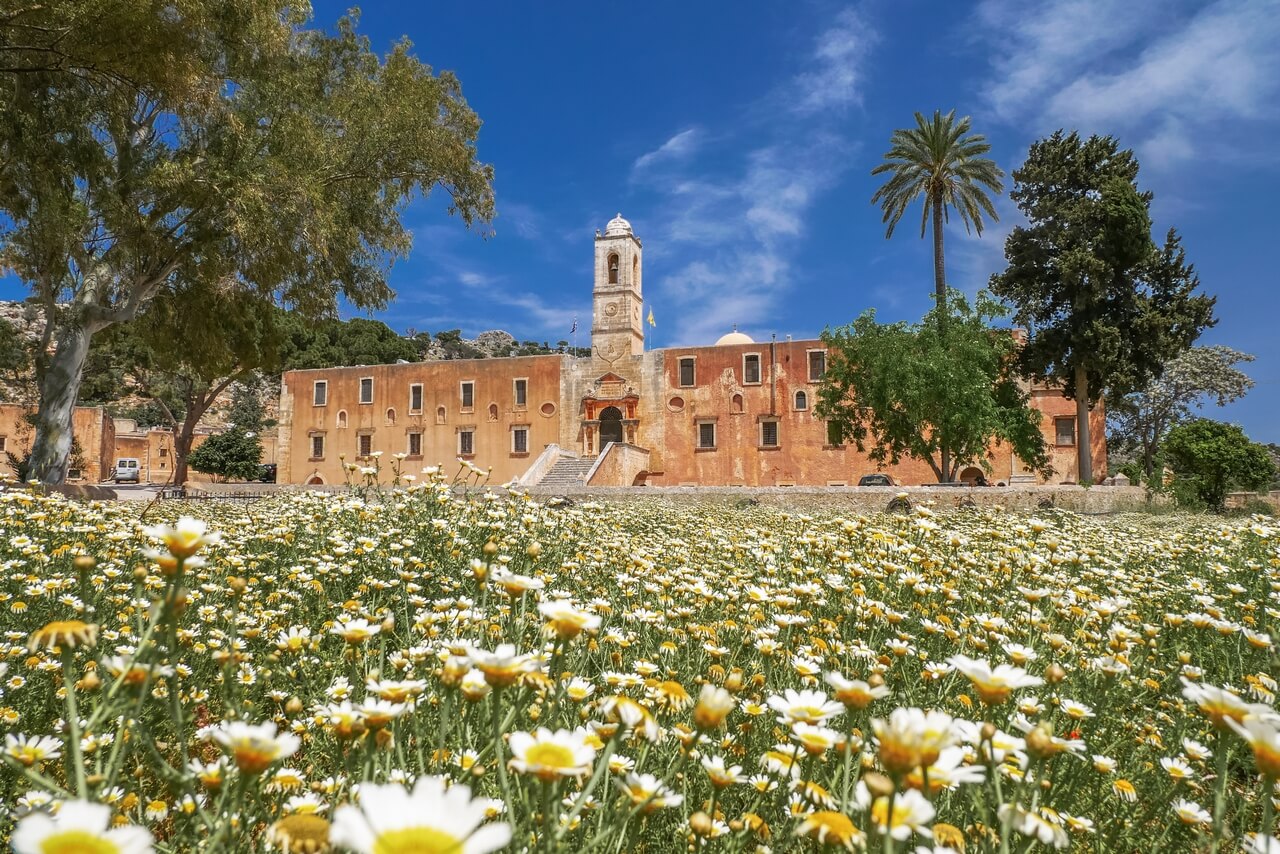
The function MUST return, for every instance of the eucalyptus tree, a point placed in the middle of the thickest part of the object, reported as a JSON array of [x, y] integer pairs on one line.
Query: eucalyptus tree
[[229, 148]]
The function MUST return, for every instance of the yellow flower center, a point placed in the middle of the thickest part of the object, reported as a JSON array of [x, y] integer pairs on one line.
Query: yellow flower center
[[253, 758], [303, 833], [831, 827], [77, 842], [549, 756], [417, 840]]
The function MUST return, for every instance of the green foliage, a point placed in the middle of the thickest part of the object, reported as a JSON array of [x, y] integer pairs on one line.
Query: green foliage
[[228, 149], [940, 163], [246, 412], [1210, 458], [20, 465], [14, 358], [333, 342], [1086, 278], [1139, 421], [915, 390], [230, 455]]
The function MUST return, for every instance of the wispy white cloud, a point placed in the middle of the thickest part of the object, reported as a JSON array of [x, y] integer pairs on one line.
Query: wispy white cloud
[[836, 69], [1167, 76], [732, 215], [524, 220], [678, 147]]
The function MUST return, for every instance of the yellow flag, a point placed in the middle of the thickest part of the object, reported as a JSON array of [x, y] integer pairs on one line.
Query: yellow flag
[[651, 323]]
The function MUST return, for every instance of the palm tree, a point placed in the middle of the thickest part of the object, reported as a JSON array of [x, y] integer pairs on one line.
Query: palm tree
[[940, 162]]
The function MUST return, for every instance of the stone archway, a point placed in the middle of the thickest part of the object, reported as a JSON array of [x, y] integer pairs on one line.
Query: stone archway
[[971, 475], [610, 426]]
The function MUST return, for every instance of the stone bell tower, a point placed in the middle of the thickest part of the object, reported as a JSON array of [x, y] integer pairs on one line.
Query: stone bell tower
[[617, 317]]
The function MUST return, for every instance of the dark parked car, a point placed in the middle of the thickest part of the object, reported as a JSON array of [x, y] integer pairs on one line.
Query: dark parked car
[[267, 473], [875, 480]]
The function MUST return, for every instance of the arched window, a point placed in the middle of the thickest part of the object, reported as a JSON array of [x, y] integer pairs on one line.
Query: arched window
[[802, 400], [635, 270], [613, 269], [391, 416], [342, 418]]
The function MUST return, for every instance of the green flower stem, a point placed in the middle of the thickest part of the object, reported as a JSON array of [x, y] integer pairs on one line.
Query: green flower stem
[[1220, 794], [602, 766], [36, 777], [499, 751], [75, 756]]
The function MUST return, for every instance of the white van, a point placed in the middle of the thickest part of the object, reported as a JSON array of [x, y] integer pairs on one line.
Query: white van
[[126, 471]]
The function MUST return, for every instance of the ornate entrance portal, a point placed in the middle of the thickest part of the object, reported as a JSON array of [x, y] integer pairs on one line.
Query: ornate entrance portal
[[610, 411], [610, 426]]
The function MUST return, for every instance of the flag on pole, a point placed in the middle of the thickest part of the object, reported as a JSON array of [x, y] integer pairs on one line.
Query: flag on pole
[[575, 325], [651, 323]]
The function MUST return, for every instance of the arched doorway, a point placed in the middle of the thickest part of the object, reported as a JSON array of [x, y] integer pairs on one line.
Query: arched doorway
[[610, 426], [973, 476]]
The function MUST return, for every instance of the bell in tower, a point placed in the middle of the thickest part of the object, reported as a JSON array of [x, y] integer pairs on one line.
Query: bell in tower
[[617, 327]]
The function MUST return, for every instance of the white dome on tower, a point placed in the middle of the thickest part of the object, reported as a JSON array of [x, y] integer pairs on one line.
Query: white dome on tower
[[735, 337], [617, 227]]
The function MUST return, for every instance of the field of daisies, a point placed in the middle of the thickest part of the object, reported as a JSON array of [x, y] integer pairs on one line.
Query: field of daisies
[[420, 671]]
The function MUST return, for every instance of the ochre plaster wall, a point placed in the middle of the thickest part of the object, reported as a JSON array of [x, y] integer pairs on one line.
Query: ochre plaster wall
[[492, 416]]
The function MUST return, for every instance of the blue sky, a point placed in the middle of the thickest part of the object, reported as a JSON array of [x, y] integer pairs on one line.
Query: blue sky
[[738, 139]]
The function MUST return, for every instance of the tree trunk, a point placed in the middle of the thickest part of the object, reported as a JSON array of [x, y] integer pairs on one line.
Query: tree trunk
[[59, 388], [939, 266], [940, 296], [1084, 446], [182, 440]]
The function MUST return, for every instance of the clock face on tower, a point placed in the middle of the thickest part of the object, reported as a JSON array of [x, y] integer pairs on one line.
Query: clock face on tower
[[611, 309]]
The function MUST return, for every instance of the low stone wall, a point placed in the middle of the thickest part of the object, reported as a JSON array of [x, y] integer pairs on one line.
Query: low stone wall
[[619, 465], [76, 491], [1240, 499], [871, 499]]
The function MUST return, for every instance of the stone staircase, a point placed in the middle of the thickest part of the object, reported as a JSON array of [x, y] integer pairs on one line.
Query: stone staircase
[[567, 473]]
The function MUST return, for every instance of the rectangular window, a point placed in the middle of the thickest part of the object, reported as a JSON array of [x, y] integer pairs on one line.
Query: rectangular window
[[415, 444], [817, 364], [686, 372], [522, 392], [468, 392], [4, 444], [164, 452], [751, 369], [835, 436], [75, 474], [364, 445], [768, 434], [317, 447], [366, 389], [1066, 430], [466, 443], [320, 393], [415, 397], [707, 435], [520, 440]]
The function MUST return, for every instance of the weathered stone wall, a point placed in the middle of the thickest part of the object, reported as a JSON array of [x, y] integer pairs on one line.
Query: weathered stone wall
[[620, 465], [93, 431], [1099, 499]]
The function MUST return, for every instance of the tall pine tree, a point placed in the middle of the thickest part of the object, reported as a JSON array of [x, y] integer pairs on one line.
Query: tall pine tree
[[1105, 305]]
